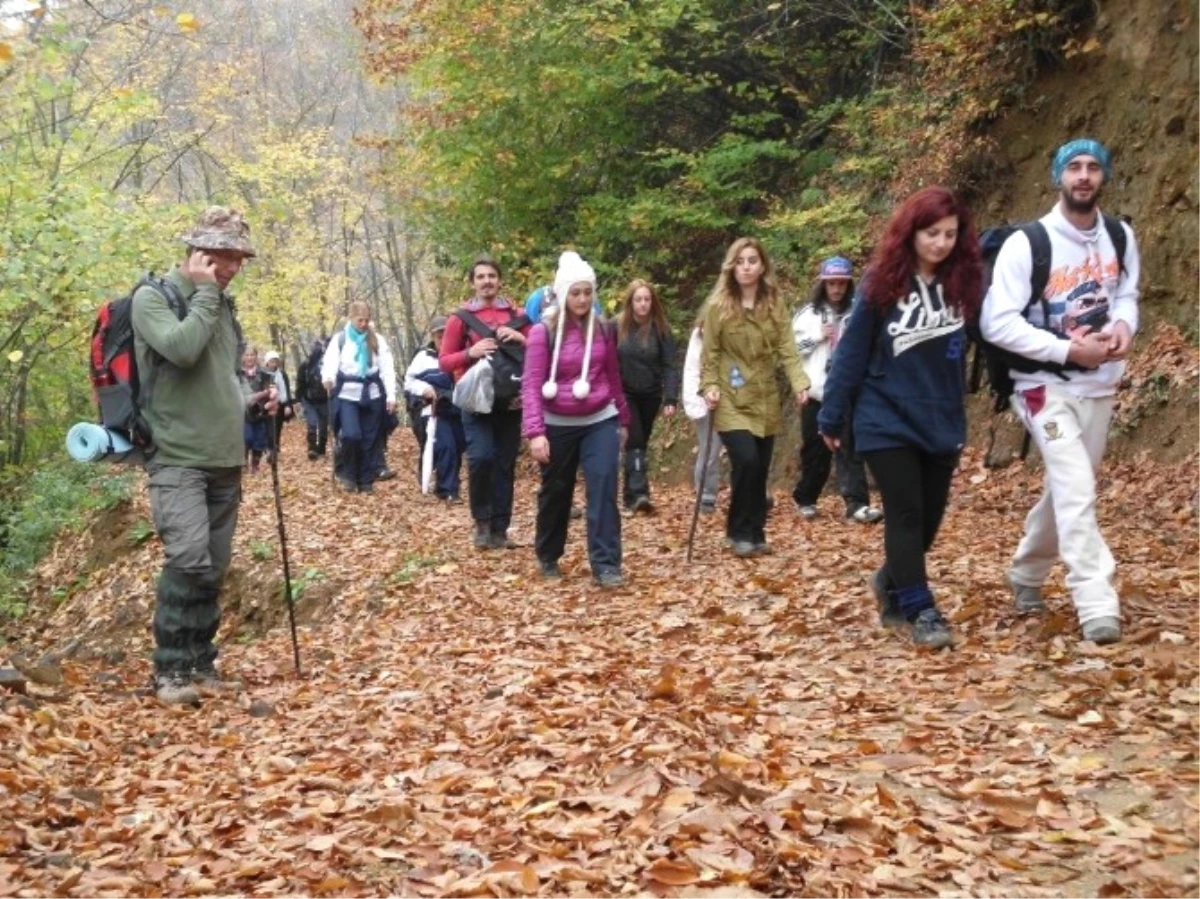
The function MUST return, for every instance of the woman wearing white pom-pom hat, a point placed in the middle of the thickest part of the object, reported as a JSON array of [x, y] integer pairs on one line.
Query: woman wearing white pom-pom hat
[[574, 414]]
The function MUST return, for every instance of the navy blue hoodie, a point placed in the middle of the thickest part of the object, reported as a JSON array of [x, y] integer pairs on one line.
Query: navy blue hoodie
[[907, 370]]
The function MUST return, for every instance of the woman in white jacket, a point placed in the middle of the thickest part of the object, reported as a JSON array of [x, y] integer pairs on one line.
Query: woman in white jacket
[[360, 375], [817, 327], [707, 480]]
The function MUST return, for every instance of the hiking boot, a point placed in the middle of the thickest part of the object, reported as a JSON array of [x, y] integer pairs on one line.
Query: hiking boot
[[386, 475], [708, 506], [550, 570], [808, 513], [865, 515], [451, 500], [1027, 598], [930, 629], [743, 549], [209, 680], [175, 689], [366, 488], [641, 504], [313, 455], [890, 615], [1102, 630], [609, 580], [483, 535], [500, 540]]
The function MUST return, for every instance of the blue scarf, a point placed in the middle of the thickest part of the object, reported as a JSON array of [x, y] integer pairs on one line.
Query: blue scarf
[[361, 353]]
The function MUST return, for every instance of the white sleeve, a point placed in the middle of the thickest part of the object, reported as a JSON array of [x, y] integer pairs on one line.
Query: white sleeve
[[331, 361], [416, 367], [1125, 303], [691, 374], [387, 369], [806, 329], [1002, 318]]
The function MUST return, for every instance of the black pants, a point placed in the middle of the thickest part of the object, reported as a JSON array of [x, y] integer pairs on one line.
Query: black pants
[[749, 464], [493, 442], [643, 410], [816, 459], [915, 487]]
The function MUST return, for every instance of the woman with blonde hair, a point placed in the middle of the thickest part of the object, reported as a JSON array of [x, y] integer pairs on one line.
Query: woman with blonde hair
[[747, 336], [650, 378], [360, 375]]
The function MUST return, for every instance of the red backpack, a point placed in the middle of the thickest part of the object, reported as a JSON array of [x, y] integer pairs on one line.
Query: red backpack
[[116, 382]]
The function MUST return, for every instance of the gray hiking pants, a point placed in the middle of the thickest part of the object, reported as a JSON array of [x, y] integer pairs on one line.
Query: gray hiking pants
[[195, 514]]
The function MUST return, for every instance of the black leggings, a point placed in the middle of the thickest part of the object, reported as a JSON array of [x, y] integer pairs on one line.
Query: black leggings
[[749, 464], [643, 410], [915, 487]]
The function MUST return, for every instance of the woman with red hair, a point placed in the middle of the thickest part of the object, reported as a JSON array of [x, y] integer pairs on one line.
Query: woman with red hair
[[899, 375]]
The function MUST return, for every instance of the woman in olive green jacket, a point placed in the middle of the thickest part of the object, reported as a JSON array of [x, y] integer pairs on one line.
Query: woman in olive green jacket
[[746, 336]]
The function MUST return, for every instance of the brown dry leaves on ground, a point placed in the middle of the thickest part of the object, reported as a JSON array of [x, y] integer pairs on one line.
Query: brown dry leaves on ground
[[733, 728]]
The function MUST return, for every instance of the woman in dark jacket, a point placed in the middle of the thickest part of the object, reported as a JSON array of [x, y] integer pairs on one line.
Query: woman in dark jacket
[[899, 370], [650, 378]]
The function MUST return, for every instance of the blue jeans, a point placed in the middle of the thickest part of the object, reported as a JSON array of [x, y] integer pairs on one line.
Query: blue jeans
[[598, 448], [447, 452], [358, 430], [493, 441]]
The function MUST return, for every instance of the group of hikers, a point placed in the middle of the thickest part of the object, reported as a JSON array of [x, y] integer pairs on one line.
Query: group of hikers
[[876, 370]]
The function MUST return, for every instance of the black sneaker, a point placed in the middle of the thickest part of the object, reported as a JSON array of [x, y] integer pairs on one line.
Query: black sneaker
[[641, 504], [386, 475], [550, 570], [313, 455], [890, 615], [930, 629]]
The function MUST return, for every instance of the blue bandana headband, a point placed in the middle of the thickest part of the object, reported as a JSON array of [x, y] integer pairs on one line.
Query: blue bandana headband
[[1083, 146]]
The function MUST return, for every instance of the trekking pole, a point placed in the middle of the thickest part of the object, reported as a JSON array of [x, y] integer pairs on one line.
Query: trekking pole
[[287, 573], [331, 437], [712, 432]]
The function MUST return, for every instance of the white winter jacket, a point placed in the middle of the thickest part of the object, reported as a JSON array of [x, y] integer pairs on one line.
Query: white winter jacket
[[1084, 272], [816, 350], [694, 406], [343, 359]]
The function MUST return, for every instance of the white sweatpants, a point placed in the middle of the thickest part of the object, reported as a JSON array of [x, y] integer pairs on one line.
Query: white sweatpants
[[1071, 433]]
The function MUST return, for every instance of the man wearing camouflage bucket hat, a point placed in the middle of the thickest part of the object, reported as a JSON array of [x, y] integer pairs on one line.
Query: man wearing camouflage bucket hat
[[195, 409]]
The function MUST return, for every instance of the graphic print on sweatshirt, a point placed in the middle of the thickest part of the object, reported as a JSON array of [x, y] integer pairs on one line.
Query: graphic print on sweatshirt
[[1078, 297], [921, 317]]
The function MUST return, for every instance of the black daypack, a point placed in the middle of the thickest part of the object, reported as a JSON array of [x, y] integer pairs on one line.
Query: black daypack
[[999, 364], [508, 362], [117, 385]]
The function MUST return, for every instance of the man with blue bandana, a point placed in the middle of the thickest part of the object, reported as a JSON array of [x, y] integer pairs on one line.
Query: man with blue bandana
[[1082, 326]]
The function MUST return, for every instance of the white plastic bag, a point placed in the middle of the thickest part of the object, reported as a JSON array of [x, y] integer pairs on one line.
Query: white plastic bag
[[475, 392], [427, 470]]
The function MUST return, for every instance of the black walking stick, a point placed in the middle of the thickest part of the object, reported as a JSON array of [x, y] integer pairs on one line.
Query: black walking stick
[[712, 432], [287, 573]]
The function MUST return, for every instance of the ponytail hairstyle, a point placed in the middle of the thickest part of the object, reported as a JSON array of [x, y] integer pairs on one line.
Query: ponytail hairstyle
[[358, 308]]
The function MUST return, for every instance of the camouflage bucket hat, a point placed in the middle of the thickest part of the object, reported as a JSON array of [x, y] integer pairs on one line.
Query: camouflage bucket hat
[[220, 228]]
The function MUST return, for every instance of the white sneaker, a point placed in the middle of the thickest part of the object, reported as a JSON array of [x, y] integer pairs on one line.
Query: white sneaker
[[866, 515], [808, 513]]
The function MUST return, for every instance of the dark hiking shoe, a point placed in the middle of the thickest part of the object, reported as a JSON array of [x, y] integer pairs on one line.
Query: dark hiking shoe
[[1102, 630], [500, 540], [313, 455], [366, 488], [929, 628], [347, 487], [176, 689], [386, 475], [550, 570], [1027, 599], [641, 504], [708, 507], [743, 549], [483, 536], [209, 680], [609, 580], [890, 615]]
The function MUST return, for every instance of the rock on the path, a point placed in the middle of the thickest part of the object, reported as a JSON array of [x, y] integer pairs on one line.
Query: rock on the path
[[13, 680]]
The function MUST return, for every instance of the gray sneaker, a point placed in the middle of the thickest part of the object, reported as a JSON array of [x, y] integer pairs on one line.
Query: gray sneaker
[[808, 513], [1102, 630], [1028, 599], [500, 540], [865, 515], [743, 549], [209, 680], [175, 689], [483, 536], [609, 580], [929, 628]]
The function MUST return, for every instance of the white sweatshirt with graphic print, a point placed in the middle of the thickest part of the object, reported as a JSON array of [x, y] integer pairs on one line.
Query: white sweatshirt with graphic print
[[1084, 274]]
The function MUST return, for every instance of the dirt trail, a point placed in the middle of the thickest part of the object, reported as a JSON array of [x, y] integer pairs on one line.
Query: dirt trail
[[464, 728]]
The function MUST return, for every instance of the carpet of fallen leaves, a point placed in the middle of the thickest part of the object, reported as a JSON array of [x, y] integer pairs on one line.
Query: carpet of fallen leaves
[[734, 727]]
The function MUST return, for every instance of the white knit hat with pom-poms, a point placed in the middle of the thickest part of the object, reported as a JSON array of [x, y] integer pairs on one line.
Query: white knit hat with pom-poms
[[571, 270]]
